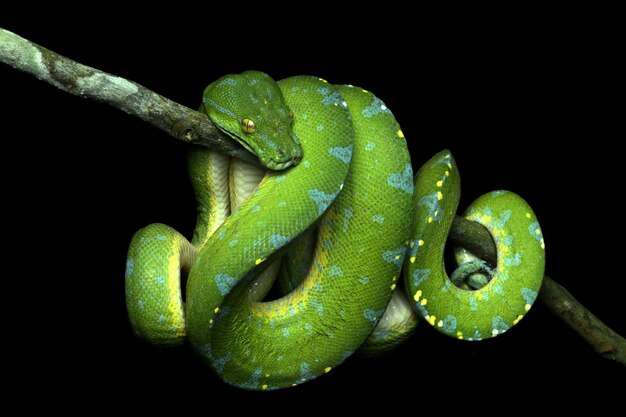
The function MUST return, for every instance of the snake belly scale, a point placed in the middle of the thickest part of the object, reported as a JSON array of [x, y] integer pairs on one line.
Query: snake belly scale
[[340, 199]]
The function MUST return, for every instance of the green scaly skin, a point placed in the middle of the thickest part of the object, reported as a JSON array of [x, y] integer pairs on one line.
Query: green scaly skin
[[354, 195]]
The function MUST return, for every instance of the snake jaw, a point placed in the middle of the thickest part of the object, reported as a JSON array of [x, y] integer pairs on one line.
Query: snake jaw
[[280, 165]]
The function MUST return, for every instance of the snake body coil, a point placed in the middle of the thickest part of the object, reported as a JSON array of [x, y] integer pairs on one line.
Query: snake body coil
[[346, 215]]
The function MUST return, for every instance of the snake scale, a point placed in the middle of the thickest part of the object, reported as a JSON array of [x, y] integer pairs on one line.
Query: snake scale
[[337, 218]]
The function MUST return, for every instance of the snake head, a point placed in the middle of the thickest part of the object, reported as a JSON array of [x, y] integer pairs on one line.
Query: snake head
[[250, 108]]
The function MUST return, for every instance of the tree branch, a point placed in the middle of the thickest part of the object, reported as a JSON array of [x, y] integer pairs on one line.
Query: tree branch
[[193, 127], [475, 238], [83, 81]]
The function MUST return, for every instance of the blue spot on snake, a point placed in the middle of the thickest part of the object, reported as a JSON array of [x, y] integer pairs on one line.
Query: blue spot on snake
[[227, 81], [278, 240], [309, 328], [375, 107], [347, 215], [344, 154], [318, 307], [504, 217], [324, 91], [286, 332], [419, 275], [402, 181], [431, 201], [224, 283], [219, 363], [319, 128], [160, 279], [233, 242], [498, 325], [529, 295], [514, 260], [130, 266], [255, 209], [370, 146], [333, 98], [160, 237], [507, 240], [395, 257], [219, 108], [372, 315], [498, 289], [281, 204], [449, 324], [253, 382], [161, 318], [444, 160], [498, 193], [335, 271], [378, 218], [364, 279], [535, 230], [322, 199], [473, 301], [305, 371], [307, 164]]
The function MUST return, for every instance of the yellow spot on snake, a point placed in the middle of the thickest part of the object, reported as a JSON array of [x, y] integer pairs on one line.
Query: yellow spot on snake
[[436, 213], [365, 91], [528, 215], [527, 307], [327, 369], [449, 165], [264, 386], [394, 278], [259, 260], [439, 195], [479, 295], [400, 134], [537, 232], [393, 287], [430, 219], [417, 295], [439, 183], [412, 259], [267, 375], [447, 173], [420, 242], [518, 319], [440, 324], [494, 332], [431, 320], [424, 302], [397, 256], [542, 243], [216, 310], [459, 335], [323, 80], [210, 321]]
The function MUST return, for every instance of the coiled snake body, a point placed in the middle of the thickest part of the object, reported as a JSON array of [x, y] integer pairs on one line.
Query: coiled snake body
[[349, 215]]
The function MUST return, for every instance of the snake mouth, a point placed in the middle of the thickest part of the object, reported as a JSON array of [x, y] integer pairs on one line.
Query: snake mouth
[[282, 164]]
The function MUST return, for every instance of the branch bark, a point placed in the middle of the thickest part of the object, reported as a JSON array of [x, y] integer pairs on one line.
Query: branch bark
[[475, 238], [193, 127], [177, 120]]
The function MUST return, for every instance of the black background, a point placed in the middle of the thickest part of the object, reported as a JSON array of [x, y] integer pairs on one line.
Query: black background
[[525, 102]]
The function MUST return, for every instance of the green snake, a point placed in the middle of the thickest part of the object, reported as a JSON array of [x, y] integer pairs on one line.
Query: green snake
[[337, 218]]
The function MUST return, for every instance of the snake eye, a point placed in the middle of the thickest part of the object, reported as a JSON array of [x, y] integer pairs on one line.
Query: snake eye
[[248, 126]]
